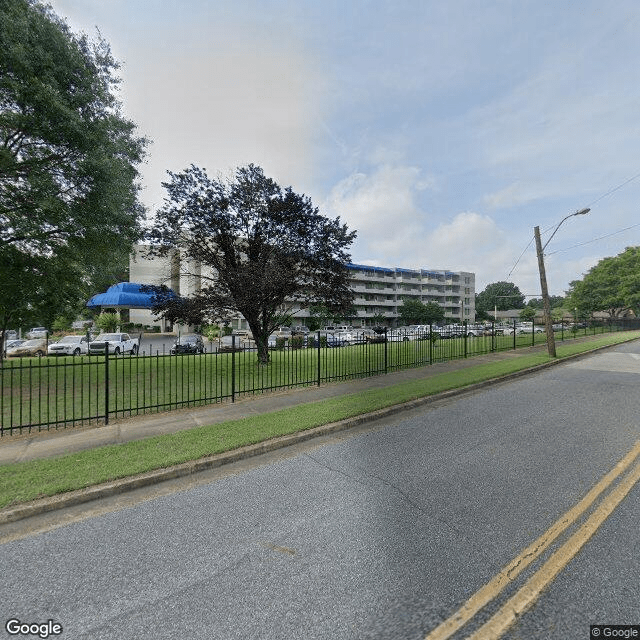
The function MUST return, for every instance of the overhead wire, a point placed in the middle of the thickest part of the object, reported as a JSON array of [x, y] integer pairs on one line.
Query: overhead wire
[[604, 195], [581, 244]]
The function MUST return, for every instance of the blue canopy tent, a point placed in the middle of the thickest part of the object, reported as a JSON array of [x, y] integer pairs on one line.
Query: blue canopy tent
[[124, 295]]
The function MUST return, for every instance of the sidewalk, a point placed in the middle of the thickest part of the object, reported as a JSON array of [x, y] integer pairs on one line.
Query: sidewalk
[[20, 448]]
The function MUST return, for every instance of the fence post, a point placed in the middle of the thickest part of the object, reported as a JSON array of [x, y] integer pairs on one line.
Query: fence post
[[106, 383], [514, 333], [464, 330], [385, 350], [233, 368], [431, 343], [318, 341], [533, 333], [493, 335]]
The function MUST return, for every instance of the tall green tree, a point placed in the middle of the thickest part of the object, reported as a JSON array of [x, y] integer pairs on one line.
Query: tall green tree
[[261, 249], [612, 285], [554, 301], [68, 157], [501, 296], [528, 313], [433, 312], [412, 311]]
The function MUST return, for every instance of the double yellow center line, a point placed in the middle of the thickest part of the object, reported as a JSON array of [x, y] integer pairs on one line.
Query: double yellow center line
[[532, 588]]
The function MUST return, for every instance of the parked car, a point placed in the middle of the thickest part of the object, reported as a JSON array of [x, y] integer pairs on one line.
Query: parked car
[[283, 332], [226, 343], [344, 336], [69, 346], [188, 343], [420, 331], [362, 336], [476, 330], [300, 330], [449, 331], [29, 348], [117, 343], [332, 339], [12, 344], [401, 334], [521, 329], [36, 332]]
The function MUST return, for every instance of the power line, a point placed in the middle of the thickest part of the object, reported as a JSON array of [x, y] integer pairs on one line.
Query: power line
[[604, 195], [594, 240], [614, 189], [518, 260]]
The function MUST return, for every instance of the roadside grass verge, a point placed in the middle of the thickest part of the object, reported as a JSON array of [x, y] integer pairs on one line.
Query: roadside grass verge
[[26, 481]]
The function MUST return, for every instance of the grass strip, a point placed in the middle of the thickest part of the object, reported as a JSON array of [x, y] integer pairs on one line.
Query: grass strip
[[25, 481]]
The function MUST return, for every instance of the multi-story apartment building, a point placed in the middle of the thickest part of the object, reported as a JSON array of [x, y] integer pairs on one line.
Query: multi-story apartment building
[[378, 291]]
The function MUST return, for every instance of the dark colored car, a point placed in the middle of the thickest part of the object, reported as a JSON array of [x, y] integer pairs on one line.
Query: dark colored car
[[189, 343]]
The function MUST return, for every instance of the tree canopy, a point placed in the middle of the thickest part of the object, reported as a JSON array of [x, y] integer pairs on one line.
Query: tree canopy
[[258, 249], [68, 158], [537, 303], [499, 295], [412, 311], [613, 286]]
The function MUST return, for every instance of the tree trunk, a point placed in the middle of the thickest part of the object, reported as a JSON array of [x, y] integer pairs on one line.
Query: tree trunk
[[263, 352], [261, 339]]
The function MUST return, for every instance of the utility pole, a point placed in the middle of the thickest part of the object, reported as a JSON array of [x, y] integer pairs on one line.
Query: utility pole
[[551, 342], [546, 303]]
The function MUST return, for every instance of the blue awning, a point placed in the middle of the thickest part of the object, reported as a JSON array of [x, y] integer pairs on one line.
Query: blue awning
[[124, 295]]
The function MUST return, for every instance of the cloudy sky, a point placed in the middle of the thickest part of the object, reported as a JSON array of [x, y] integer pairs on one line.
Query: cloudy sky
[[444, 132]]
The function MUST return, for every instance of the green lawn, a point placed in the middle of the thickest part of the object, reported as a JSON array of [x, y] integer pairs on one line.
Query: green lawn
[[25, 481]]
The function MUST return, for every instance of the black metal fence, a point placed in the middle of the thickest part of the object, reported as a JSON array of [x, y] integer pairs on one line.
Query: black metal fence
[[46, 393]]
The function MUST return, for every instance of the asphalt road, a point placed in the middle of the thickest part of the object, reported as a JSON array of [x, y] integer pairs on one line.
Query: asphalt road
[[384, 532]]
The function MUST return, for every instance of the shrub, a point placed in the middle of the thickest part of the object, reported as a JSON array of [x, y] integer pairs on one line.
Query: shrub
[[108, 322], [61, 324], [211, 331]]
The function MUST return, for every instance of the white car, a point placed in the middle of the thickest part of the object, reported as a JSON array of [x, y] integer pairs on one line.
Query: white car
[[521, 329], [401, 334], [69, 346], [475, 330], [117, 343], [345, 337]]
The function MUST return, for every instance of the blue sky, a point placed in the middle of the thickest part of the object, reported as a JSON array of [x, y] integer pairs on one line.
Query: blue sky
[[442, 131]]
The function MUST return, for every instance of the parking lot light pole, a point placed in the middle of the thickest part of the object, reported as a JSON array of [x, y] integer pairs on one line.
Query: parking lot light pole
[[551, 343]]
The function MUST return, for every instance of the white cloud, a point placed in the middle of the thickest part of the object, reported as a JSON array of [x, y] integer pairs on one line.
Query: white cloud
[[394, 230], [382, 207]]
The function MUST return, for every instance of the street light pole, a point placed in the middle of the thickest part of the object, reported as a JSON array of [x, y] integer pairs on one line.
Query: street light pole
[[546, 303]]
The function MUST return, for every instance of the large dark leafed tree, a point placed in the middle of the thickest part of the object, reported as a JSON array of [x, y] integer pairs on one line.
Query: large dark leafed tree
[[262, 250], [68, 178]]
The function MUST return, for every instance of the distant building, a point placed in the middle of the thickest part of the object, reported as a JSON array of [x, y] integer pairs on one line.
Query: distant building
[[379, 291]]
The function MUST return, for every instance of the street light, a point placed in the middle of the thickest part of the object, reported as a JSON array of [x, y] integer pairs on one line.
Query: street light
[[551, 343]]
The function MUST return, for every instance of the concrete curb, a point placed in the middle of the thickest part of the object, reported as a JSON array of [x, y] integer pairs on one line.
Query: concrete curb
[[115, 487]]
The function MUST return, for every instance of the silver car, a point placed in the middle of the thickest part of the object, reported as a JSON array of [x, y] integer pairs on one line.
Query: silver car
[[36, 332]]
